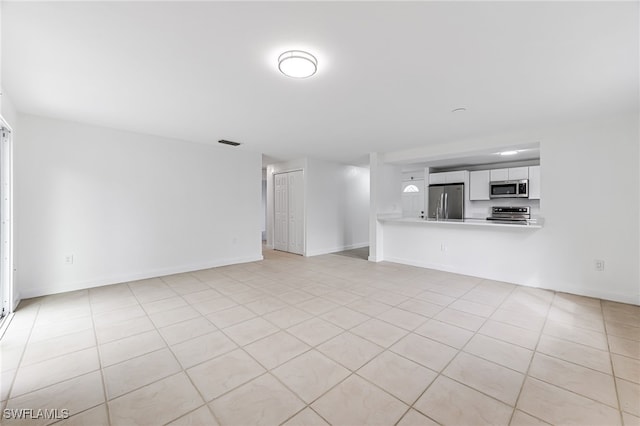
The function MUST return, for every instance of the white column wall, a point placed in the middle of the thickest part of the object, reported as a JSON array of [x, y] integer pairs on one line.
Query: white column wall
[[386, 200]]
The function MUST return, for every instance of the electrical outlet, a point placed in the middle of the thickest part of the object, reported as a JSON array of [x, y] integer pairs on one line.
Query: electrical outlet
[[599, 264], [68, 259]]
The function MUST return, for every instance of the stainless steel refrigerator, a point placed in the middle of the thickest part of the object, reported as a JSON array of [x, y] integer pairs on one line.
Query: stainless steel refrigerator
[[446, 201]]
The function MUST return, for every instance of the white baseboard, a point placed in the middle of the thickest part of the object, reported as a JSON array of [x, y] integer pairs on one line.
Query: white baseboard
[[427, 265], [115, 279], [633, 299], [336, 249]]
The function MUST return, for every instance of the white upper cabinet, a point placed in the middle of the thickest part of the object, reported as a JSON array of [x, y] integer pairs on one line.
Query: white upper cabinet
[[513, 173], [448, 177], [499, 174], [456, 177], [518, 173], [534, 182], [479, 185], [437, 178]]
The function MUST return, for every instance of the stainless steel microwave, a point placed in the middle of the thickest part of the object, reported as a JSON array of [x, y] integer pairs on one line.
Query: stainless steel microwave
[[509, 189]]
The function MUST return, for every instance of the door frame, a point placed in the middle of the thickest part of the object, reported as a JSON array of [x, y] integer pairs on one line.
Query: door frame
[[6, 222], [276, 176]]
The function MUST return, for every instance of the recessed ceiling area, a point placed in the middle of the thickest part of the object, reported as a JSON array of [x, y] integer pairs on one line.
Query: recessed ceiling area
[[470, 160], [390, 72]]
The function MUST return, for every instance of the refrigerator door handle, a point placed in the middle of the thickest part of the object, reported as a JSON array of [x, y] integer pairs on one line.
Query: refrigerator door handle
[[441, 207], [446, 205]]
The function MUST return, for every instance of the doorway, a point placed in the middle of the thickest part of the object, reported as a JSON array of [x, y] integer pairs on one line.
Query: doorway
[[289, 212], [413, 198]]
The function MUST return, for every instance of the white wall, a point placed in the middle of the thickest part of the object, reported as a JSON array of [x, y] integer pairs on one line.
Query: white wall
[[336, 204], [357, 200], [597, 218], [127, 206], [412, 175], [385, 200], [8, 111], [337, 207]]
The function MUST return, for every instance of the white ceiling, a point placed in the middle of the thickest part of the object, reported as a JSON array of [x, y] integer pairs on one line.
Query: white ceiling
[[389, 73]]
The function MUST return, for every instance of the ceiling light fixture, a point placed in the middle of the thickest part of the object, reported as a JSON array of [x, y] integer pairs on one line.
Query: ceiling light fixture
[[508, 152], [461, 109], [297, 64]]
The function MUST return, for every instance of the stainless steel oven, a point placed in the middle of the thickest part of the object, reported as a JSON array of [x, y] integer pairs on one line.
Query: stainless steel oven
[[509, 214], [509, 189]]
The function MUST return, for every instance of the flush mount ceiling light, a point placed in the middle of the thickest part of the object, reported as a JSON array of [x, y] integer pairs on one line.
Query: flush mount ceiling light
[[297, 64], [508, 152], [461, 109]]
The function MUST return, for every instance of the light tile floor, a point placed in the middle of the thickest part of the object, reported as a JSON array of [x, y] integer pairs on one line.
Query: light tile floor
[[328, 339]]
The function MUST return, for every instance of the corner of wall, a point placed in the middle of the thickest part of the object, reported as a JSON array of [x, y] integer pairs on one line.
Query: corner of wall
[[8, 110]]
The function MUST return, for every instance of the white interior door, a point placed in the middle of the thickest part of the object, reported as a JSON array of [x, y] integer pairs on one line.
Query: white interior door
[[281, 207], [288, 232], [413, 198], [296, 212]]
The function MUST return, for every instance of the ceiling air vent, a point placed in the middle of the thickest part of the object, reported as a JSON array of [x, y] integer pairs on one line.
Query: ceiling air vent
[[226, 142]]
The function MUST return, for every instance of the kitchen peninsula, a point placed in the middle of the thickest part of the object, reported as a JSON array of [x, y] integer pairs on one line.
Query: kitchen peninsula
[[578, 249], [500, 250]]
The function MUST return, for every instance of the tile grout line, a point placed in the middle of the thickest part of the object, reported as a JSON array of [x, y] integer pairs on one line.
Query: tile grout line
[[613, 372], [102, 380], [311, 348], [19, 364], [612, 375], [533, 354], [343, 332], [134, 335], [267, 370], [50, 359], [68, 378], [53, 358], [175, 358], [167, 346], [459, 350]]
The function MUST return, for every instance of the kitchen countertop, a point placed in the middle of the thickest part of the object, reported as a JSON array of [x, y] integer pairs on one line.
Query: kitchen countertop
[[534, 224]]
